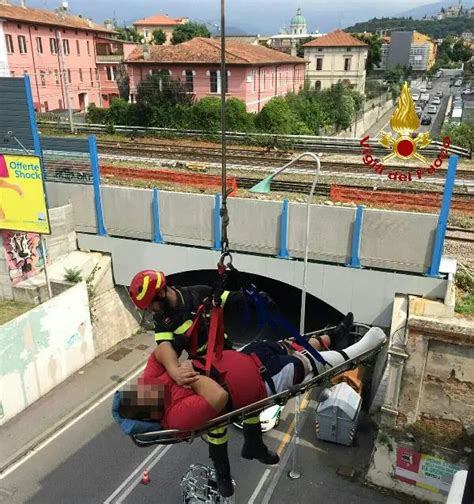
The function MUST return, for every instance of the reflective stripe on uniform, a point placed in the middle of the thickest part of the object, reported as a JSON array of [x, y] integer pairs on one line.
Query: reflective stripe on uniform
[[224, 297], [252, 420], [183, 327], [218, 436], [203, 347], [164, 336]]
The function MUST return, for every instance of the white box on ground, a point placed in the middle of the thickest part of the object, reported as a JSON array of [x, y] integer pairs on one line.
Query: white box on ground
[[337, 417]]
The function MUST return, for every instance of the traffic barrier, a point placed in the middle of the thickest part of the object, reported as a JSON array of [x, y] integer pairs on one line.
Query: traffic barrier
[[400, 200], [194, 179]]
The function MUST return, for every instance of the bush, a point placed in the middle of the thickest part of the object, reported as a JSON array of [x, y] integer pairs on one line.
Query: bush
[[278, 118], [73, 275], [206, 114], [96, 115], [460, 134], [238, 119]]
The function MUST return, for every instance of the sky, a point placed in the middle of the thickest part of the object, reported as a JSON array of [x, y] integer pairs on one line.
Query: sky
[[265, 17]]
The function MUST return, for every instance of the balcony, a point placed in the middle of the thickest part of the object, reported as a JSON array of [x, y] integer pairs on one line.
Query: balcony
[[109, 58]]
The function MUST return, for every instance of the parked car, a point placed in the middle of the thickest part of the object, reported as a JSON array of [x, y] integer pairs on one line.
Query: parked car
[[415, 96], [436, 100], [425, 97], [426, 119], [429, 85], [458, 83], [432, 109], [438, 74], [418, 109]]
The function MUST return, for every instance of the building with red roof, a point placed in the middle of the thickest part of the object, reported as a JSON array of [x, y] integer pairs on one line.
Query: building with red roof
[[336, 57], [255, 74], [147, 26]]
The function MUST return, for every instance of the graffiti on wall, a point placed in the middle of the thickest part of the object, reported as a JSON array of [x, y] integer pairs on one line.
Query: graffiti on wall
[[23, 254]]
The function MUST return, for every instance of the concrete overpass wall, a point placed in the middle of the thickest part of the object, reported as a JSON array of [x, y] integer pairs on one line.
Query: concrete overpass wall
[[399, 241], [367, 293]]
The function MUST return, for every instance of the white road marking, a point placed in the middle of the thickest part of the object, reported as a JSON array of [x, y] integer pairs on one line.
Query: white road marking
[[259, 486], [63, 429], [137, 476]]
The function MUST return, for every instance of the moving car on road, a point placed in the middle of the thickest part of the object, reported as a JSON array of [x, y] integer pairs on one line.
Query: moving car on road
[[436, 101], [426, 119], [432, 109]]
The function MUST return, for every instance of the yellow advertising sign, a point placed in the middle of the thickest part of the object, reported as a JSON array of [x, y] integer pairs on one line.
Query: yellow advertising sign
[[22, 198]]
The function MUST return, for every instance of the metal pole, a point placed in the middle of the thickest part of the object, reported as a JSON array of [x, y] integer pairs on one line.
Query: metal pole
[[294, 473], [223, 211], [43, 251], [66, 91]]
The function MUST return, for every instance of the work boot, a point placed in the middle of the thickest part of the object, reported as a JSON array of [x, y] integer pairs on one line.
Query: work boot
[[220, 460], [341, 334], [255, 448]]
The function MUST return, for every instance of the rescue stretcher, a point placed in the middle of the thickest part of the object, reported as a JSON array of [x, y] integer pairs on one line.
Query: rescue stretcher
[[172, 436]]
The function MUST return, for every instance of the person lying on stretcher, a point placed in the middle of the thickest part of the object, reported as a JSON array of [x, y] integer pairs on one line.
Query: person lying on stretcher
[[238, 379]]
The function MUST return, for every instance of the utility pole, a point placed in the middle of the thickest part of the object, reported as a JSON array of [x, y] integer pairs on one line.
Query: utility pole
[[223, 212], [65, 80]]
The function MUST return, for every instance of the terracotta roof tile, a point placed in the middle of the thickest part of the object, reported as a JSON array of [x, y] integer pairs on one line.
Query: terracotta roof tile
[[158, 20], [204, 50], [336, 38], [51, 18]]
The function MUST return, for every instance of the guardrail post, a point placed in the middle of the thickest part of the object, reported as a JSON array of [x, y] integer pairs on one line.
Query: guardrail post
[[433, 270], [217, 223], [284, 231], [96, 183], [157, 236], [355, 261]]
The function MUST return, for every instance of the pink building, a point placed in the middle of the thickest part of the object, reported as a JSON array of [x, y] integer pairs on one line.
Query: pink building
[[255, 74], [57, 50]]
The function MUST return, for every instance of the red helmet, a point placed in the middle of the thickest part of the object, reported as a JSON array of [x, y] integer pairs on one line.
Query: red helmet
[[144, 286]]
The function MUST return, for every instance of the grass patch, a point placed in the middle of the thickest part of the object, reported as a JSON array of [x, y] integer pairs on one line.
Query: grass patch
[[11, 309], [464, 292]]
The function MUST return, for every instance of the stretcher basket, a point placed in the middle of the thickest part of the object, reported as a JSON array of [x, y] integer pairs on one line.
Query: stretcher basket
[[199, 486], [237, 416]]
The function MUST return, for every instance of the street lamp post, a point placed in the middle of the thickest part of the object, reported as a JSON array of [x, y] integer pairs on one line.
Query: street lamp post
[[264, 187]]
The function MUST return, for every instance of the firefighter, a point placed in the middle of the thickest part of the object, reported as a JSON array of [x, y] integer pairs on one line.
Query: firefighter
[[174, 309]]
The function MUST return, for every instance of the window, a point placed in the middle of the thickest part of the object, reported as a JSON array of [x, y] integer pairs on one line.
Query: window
[[9, 42], [69, 78], [263, 80], [110, 73], [56, 77], [60, 104], [88, 48], [92, 76], [349, 49], [22, 44], [12, 74], [254, 81], [66, 47], [317, 85], [189, 83], [39, 45], [347, 64], [80, 75], [215, 81], [43, 78], [46, 106], [53, 45], [319, 63], [78, 48]]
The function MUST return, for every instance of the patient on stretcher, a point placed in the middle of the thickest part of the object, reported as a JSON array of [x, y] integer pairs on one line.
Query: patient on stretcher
[[238, 379]]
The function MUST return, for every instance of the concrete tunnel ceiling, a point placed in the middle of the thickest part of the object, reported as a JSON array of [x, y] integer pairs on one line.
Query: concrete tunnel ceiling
[[318, 313]]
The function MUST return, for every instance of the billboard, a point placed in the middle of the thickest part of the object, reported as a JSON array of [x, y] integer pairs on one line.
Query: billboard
[[22, 197]]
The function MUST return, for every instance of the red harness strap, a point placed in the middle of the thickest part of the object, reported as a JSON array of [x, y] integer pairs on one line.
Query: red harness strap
[[215, 341]]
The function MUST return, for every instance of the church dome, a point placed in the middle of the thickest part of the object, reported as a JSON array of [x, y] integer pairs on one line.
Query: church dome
[[299, 19]]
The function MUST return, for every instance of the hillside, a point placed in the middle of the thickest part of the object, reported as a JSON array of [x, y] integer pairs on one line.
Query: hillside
[[434, 28]]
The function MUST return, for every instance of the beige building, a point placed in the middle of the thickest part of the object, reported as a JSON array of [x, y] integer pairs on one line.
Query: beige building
[[159, 22], [336, 57]]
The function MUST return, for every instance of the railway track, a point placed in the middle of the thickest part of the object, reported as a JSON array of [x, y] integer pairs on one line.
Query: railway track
[[248, 157], [460, 234]]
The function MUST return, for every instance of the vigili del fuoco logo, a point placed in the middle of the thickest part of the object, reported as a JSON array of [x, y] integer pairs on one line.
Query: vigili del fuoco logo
[[406, 144]]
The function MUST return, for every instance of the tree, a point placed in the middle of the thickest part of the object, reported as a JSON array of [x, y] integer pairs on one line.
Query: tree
[[159, 36], [206, 114], [461, 51], [162, 101], [300, 48], [128, 33], [374, 43], [188, 31], [460, 134], [123, 81]]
